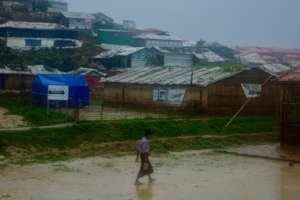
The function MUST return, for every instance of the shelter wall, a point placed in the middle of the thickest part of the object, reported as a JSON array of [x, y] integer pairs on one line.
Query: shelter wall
[[162, 43], [115, 37], [141, 95], [20, 43], [15, 82], [178, 60], [84, 24], [138, 59], [95, 86], [117, 61], [227, 96], [127, 94], [290, 114]]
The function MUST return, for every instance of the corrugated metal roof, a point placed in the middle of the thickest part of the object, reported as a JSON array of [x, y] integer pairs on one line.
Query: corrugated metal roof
[[86, 71], [117, 50], [275, 69], [31, 25], [59, 1], [184, 75], [30, 70], [293, 76], [251, 58], [209, 56], [174, 51], [151, 36], [170, 76], [115, 30], [78, 15]]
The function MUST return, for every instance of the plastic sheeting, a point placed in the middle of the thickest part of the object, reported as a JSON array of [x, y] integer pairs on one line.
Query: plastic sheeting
[[78, 91]]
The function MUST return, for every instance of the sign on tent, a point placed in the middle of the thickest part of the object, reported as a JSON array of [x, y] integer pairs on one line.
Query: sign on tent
[[169, 96], [252, 90], [58, 92]]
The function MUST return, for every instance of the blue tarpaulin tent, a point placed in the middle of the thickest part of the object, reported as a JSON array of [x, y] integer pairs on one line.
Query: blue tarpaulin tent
[[60, 90]]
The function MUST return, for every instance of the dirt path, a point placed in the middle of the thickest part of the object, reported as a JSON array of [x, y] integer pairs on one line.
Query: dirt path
[[189, 175], [38, 127], [10, 121]]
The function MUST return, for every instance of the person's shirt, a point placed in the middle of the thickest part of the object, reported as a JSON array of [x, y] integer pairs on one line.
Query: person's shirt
[[143, 145]]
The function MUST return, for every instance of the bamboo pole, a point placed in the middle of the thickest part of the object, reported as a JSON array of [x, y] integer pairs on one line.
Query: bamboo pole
[[244, 105], [237, 113]]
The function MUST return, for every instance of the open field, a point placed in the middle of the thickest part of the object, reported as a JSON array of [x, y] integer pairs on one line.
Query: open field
[[120, 136], [88, 160], [115, 136], [180, 176]]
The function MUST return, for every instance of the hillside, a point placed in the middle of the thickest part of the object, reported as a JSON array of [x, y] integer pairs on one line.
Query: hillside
[[62, 59]]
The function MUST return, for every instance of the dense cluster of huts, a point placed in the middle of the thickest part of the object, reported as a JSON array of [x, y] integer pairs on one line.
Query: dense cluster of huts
[[203, 90], [151, 68]]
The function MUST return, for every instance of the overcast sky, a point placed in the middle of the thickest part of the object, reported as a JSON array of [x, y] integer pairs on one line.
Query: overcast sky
[[272, 23]]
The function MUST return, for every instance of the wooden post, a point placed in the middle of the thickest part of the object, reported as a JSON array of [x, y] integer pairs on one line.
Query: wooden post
[[281, 115], [192, 75], [237, 113], [123, 96], [76, 112], [47, 107], [101, 110]]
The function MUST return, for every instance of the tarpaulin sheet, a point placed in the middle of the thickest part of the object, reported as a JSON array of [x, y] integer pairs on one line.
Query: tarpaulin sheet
[[78, 91]]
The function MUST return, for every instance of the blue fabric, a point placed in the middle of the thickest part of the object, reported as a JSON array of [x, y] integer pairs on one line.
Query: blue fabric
[[78, 90]]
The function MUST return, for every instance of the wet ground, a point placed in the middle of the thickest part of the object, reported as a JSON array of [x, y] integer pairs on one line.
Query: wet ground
[[272, 151], [182, 176]]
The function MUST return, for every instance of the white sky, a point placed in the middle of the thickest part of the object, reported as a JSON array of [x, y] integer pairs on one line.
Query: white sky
[[271, 23]]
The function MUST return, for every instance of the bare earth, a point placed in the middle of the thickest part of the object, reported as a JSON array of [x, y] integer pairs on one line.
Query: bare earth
[[112, 113], [182, 176], [10, 121]]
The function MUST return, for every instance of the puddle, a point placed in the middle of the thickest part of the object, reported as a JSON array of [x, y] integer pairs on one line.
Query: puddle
[[190, 175]]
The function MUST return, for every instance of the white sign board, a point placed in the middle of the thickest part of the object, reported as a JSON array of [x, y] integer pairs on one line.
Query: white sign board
[[176, 96], [169, 96], [252, 90], [58, 92]]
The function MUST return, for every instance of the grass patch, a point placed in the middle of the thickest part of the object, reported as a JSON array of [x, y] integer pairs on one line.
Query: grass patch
[[34, 115], [94, 133], [211, 143], [118, 137]]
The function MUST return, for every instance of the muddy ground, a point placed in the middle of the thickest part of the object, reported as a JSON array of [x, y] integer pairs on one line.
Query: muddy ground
[[10, 121], [189, 175]]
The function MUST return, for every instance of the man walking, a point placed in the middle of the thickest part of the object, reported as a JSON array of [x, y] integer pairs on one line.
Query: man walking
[[143, 152]]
